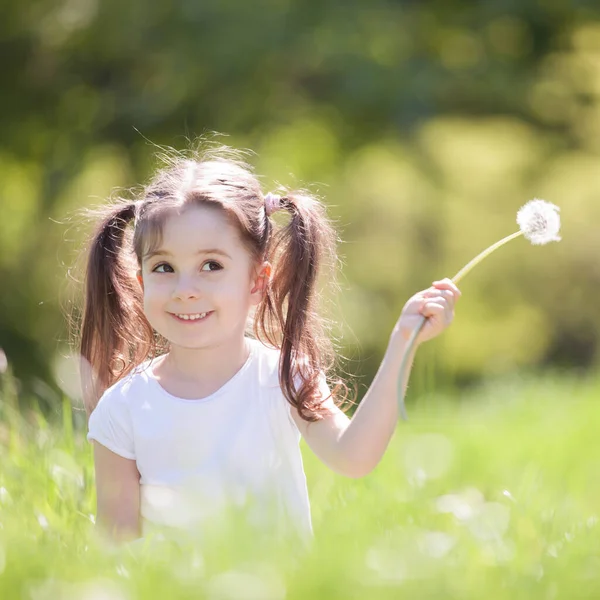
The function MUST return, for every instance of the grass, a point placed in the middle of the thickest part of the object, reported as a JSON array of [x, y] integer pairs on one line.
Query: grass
[[492, 495]]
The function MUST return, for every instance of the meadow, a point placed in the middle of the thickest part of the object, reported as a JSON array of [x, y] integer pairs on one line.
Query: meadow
[[490, 494]]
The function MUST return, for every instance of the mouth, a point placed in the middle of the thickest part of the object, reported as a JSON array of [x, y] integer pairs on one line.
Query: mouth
[[191, 317]]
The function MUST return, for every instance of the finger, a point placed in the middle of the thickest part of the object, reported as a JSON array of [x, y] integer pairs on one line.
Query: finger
[[447, 307], [447, 284], [432, 309], [437, 299], [446, 295], [413, 306]]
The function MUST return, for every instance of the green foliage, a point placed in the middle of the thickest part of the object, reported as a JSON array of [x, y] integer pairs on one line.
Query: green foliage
[[493, 496], [425, 126]]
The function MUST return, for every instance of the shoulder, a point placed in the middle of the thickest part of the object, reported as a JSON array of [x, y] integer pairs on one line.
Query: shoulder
[[111, 422], [268, 359], [124, 393]]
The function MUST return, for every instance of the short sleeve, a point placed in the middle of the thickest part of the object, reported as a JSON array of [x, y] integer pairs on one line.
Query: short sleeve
[[110, 425], [328, 402]]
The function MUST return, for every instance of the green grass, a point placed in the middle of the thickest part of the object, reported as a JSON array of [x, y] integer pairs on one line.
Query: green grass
[[492, 495]]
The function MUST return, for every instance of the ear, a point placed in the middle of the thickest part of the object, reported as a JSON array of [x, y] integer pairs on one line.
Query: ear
[[140, 279], [262, 278]]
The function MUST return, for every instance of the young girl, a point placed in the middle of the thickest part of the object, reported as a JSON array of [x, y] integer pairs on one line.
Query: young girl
[[189, 414]]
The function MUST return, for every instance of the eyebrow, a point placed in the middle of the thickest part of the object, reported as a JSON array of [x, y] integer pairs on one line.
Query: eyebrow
[[161, 252]]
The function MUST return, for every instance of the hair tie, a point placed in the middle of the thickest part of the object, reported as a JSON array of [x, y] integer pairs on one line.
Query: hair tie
[[272, 203]]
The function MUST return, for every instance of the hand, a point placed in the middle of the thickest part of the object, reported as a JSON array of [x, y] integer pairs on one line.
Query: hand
[[436, 304]]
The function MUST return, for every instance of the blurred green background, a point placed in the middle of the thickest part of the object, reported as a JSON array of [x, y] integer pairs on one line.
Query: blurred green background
[[424, 125]]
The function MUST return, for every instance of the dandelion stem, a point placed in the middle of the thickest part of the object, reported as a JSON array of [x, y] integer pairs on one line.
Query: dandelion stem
[[407, 351], [413, 336], [483, 254]]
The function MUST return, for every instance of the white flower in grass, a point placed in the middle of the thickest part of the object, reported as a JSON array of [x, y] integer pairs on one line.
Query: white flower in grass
[[539, 221]]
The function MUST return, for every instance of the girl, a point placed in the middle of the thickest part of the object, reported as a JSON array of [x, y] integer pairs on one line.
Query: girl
[[189, 413]]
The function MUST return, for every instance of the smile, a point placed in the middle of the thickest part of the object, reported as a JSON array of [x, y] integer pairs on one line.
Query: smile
[[191, 317]]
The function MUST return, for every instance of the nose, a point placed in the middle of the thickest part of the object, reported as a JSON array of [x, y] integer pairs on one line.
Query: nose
[[185, 288]]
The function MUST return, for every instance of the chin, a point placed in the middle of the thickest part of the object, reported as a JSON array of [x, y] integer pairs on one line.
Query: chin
[[191, 344]]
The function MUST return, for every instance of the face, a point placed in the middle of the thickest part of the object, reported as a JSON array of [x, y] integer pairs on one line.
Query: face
[[201, 283]]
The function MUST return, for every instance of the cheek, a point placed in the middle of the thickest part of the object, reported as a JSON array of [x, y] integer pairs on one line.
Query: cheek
[[154, 295], [233, 285], [239, 291]]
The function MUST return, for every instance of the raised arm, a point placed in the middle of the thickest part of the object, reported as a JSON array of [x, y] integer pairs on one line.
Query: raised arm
[[118, 495], [354, 447]]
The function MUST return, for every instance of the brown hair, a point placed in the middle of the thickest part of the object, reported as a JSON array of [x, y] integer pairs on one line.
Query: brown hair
[[115, 334]]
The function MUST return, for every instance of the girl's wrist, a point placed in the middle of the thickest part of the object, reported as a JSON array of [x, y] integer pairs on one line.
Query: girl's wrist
[[397, 346]]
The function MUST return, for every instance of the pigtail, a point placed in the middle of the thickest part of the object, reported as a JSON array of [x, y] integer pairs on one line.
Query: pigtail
[[113, 309], [115, 334], [299, 252]]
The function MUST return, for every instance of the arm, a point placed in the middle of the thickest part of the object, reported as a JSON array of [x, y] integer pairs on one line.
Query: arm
[[118, 494], [354, 447]]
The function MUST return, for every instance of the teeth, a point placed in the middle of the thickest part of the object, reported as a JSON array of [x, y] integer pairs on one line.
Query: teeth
[[192, 317]]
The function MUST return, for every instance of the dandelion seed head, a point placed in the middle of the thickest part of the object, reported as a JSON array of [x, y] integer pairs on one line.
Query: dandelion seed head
[[539, 221]]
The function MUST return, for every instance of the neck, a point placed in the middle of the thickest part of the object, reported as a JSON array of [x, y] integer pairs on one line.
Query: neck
[[198, 372]]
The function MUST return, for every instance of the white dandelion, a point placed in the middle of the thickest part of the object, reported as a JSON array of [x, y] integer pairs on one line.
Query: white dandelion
[[539, 222]]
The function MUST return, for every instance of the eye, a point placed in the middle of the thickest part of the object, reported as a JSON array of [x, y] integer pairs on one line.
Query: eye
[[163, 268], [211, 265]]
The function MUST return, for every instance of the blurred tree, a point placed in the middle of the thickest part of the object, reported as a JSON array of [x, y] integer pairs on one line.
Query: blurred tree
[[429, 122]]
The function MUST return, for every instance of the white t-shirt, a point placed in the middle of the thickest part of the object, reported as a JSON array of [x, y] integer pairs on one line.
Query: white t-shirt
[[196, 457]]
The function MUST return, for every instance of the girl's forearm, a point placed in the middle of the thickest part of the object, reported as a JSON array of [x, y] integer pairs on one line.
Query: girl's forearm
[[367, 436]]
